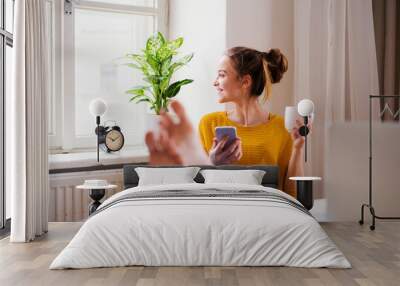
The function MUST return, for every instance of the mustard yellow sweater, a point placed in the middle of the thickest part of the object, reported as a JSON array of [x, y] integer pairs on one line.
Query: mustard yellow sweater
[[264, 144]]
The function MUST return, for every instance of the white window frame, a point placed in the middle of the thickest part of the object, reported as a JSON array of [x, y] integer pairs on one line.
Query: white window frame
[[54, 78], [62, 139]]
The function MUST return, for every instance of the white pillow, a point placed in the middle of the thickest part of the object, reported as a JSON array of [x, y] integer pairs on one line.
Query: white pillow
[[163, 176], [249, 177]]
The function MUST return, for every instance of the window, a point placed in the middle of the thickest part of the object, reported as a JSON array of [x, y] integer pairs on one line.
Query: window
[[97, 34], [6, 43], [53, 12]]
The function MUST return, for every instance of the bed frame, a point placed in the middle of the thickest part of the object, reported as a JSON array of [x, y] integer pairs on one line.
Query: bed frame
[[270, 179]]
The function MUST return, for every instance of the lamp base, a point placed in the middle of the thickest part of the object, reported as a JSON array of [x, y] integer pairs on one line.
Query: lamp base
[[305, 193], [96, 195], [304, 187]]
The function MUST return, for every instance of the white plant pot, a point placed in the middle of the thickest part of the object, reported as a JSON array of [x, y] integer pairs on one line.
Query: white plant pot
[[152, 123]]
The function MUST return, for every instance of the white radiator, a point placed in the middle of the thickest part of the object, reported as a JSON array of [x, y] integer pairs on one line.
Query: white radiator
[[67, 203]]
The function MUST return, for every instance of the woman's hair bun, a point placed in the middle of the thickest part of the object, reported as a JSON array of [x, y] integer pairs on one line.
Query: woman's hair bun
[[277, 64]]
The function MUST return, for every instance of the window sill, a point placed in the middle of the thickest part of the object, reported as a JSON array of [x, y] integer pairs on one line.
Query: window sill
[[89, 159]]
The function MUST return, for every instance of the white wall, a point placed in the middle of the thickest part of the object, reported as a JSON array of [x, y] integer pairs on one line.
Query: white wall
[[346, 181], [202, 24], [265, 24], [210, 27]]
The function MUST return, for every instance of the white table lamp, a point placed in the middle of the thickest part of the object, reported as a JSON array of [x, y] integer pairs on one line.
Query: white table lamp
[[97, 108], [305, 108]]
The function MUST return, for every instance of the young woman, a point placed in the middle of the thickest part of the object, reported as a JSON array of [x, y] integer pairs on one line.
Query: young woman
[[243, 76]]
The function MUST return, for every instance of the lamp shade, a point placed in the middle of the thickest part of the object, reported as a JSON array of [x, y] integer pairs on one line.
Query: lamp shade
[[305, 107], [97, 107]]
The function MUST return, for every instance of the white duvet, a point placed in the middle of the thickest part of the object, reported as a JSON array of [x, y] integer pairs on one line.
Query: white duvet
[[200, 231]]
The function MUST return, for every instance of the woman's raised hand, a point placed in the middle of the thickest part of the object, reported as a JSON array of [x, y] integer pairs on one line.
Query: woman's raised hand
[[220, 156], [177, 143], [298, 140]]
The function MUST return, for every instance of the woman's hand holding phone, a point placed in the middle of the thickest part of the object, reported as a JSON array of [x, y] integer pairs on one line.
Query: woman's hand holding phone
[[231, 153]]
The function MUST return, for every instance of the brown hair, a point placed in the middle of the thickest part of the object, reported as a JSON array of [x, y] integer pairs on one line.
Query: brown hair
[[264, 68]]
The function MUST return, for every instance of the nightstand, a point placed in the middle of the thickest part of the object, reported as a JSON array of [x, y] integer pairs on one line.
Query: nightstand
[[304, 187]]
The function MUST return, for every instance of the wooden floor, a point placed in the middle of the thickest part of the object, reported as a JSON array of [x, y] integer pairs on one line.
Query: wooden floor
[[375, 257]]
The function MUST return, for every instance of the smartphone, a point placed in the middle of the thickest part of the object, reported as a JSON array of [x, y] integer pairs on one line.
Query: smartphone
[[226, 131]]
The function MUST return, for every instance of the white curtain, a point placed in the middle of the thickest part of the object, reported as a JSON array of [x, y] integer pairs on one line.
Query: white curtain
[[27, 158], [335, 66]]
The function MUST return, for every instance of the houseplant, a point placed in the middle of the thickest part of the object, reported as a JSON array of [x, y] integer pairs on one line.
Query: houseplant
[[157, 64]]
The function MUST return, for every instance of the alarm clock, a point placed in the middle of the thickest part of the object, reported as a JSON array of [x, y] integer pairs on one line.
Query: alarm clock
[[111, 138]]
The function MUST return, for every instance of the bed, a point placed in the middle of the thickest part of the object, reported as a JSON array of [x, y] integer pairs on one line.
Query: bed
[[201, 224]]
